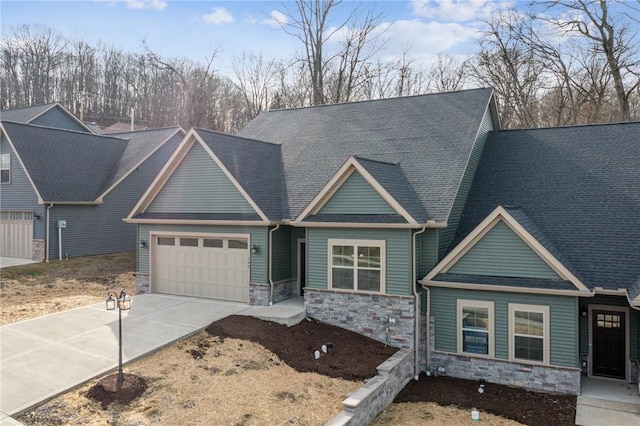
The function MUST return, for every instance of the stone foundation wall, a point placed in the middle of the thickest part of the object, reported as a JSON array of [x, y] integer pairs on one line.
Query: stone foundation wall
[[259, 294], [39, 250], [385, 318], [529, 376], [142, 283], [378, 392], [284, 290]]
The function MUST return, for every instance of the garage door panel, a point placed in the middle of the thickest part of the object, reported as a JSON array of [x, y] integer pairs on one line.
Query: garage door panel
[[201, 267], [16, 234]]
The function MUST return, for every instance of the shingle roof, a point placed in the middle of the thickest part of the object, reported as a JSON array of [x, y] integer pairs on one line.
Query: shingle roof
[[25, 114], [580, 186], [255, 165], [65, 165], [429, 137], [140, 145], [70, 166]]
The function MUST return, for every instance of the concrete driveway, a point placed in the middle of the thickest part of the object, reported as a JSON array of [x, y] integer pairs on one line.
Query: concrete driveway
[[7, 262], [46, 356]]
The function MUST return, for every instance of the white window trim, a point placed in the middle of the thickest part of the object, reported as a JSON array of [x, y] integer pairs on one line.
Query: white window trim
[[8, 168], [544, 310], [357, 243], [491, 329]]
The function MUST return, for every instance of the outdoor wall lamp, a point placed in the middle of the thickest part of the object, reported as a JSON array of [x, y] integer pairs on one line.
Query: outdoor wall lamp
[[143, 244], [36, 216], [255, 249], [124, 304]]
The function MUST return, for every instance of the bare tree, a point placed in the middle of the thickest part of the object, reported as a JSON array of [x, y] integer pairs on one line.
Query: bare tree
[[447, 74], [255, 78], [311, 22], [610, 36]]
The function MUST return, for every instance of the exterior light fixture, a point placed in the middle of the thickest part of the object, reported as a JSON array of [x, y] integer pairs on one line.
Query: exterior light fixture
[[255, 249], [143, 244], [123, 302]]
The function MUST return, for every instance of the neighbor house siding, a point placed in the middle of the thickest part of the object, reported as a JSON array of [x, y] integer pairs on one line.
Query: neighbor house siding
[[356, 196], [563, 314], [56, 117], [198, 185], [281, 259], [19, 195], [99, 229], [447, 234], [397, 247], [502, 253], [258, 236]]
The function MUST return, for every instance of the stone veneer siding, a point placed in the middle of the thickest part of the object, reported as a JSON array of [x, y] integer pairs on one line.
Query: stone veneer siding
[[259, 293], [142, 283], [366, 403], [544, 378], [367, 314], [38, 250]]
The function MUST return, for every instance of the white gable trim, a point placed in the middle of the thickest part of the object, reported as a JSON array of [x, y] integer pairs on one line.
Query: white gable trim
[[17, 155], [339, 178], [138, 164], [232, 179], [163, 176], [500, 214]]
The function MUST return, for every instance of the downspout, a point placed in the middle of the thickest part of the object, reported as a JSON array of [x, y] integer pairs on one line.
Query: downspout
[[47, 231], [416, 296], [271, 231]]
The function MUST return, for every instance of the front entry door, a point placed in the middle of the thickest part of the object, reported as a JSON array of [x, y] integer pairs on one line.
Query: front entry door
[[609, 343]]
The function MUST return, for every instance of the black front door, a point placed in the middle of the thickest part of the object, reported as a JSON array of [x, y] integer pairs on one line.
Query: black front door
[[609, 343]]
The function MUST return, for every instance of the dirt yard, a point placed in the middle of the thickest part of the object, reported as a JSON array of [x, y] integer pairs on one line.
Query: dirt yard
[[242, 371]]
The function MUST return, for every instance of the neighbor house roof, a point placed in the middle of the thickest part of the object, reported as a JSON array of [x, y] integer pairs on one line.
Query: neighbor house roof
[[576, 189], [28, 114], [416, 147], [75, 167]]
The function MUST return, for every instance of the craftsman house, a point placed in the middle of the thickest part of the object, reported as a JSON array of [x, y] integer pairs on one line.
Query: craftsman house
[[373, 212], [65, 190]]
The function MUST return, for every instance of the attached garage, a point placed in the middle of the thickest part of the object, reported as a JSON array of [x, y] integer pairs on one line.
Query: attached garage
[[16, 234], [207, 265]]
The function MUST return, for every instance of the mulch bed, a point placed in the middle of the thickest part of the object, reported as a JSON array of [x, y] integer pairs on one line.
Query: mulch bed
[[355, 357], [530, 408], [108, 390], [350, 356]]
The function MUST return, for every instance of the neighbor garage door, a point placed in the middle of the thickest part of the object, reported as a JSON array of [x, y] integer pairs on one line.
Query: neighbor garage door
[[16, 234], [202, 266]]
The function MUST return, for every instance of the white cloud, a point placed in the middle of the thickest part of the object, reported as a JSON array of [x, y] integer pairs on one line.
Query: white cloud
[[146, 4], [458, 10], [218, 15], [276, 19], [428, 37]]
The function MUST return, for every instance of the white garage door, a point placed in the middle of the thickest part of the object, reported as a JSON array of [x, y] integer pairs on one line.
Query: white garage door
[[16, 234], [201, 266]]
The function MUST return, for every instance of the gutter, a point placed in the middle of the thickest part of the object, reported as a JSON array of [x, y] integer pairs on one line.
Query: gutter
[[271, 231], [47, 231], [414, 287]]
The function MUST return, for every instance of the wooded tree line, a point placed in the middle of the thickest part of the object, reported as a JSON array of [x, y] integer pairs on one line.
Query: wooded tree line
[[576, 63]]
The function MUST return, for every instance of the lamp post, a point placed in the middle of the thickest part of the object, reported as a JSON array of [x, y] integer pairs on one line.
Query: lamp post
[[124, 304]]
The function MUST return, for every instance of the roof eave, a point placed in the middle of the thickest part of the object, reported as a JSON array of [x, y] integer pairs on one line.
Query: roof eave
[[501, 288]]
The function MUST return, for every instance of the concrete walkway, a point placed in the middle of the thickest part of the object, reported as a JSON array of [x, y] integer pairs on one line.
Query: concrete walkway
[[44, 357], [7, 262], [605, 402]]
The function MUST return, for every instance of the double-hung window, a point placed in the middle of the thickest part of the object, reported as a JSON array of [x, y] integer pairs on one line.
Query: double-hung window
[[5, 168], [475, 327], [356, 265], [529, 333]]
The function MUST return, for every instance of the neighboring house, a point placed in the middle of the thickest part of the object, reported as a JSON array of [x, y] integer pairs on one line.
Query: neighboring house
[[47, 115], [542, 282], [75, 185], [120, 126], [359, 207], [330, 202]]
